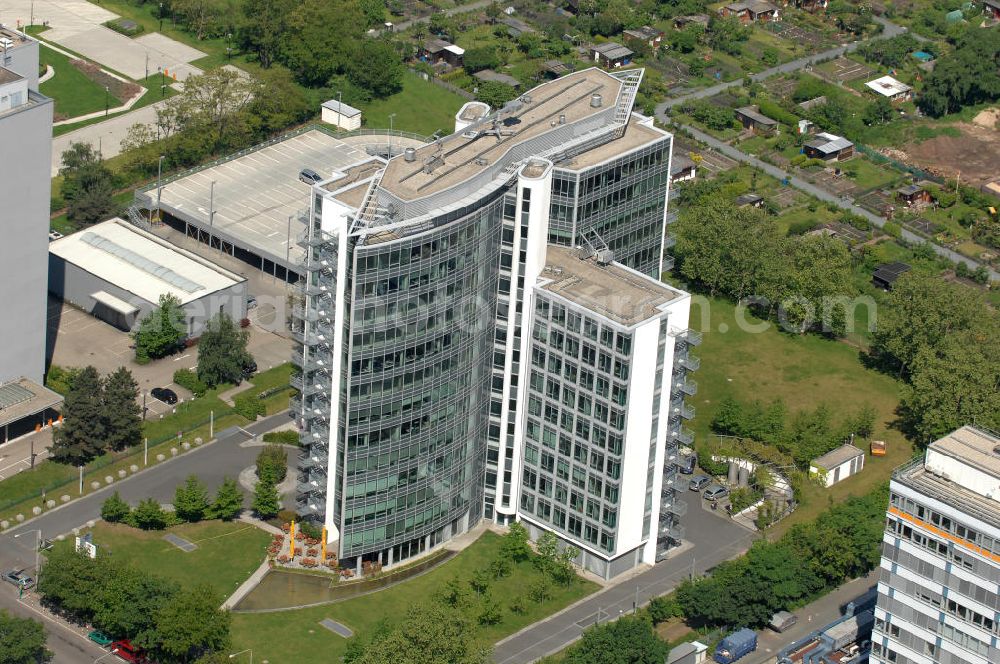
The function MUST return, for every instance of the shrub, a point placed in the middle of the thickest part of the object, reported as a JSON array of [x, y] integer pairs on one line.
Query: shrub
[[801, 227], [115, 510], [189, 381], [662, 609], [149, 515], [130, 31], [286, 437], [249, 406], [272, 464]]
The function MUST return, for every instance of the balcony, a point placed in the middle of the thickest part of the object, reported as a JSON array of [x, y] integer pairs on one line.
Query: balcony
[[690, 362], [668, 263], [310, 507], [681, 409], [669, 241], [683, 435], [685, 386], [674, 532], [310, 489], [671, 217], [692, 337], [313, 459], [675, 481], [678, 507]]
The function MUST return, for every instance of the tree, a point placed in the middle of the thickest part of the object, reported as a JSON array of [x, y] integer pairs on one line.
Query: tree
[[211, 107], [262, 28], [228, 501], [284, 105], [73, 580], [820, 273], [430, 634], [266, 502], [377, 68], [128, 600], [191, 500], [148, 515], [88, 185], [490, 613], [477, 59], [161, 332], [494, 93], [514, 543], [272, 464], [373, 11], [188, 626], [967, 75], [81, 437], [921, 311], [481, 580], [222, 352], [22, 640], [115, 510], [122, 412], [321, 38], [628, 640]]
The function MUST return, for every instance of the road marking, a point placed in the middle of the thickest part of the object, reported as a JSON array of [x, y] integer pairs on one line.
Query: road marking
[[182, 357]]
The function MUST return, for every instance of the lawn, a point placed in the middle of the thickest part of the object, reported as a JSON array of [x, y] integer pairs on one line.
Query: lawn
[[74, 94], [227, 553], [289, 637], [803, 371], [421, 107]]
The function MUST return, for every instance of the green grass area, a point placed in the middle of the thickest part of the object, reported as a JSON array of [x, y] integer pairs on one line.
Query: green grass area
[[227, 553], [868, 175], [421, 107], [154, 93], [803, 371], [289, 637], [72, 91], [275, 378]]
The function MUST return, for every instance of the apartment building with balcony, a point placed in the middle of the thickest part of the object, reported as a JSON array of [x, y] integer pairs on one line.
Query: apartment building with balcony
[[414, 319], [939, 584]]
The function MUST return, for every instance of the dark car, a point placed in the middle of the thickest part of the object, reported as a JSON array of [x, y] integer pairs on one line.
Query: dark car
[[249, 369], [125, 650], [699, 482], [19, 579], [164, 394], [309, 176]]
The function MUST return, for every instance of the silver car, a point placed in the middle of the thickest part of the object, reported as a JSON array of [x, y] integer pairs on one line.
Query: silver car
[[699, 482], [716, 492]]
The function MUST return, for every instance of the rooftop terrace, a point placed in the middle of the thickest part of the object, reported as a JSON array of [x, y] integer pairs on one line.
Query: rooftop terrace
[[455, 159], [613, 291]]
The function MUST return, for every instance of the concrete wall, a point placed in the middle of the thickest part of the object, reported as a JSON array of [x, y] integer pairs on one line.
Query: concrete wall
[[341, 120], [75, 285], [23, 60], [25, 183]]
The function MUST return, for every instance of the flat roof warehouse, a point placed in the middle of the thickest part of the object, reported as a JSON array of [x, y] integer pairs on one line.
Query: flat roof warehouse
[[141, 263]]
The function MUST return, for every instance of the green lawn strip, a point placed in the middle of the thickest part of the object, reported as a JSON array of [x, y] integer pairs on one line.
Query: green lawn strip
[[73, 92], [227, 553], [276, 379], [803, 371], [420, 107], [295, 636]]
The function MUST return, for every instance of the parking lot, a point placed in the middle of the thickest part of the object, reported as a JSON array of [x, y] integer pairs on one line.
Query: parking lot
[[257, 197]]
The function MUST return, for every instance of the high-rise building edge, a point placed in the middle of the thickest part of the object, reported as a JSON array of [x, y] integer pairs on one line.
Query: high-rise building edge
[[939, 577], [482, 334]]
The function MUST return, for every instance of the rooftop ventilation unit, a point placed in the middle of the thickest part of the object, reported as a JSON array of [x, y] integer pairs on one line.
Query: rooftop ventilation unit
[[410, 154], [562, 118], [605, 257], [596, 101]]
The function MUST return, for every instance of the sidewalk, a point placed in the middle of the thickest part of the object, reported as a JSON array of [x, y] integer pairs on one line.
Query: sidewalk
[[15, 455]]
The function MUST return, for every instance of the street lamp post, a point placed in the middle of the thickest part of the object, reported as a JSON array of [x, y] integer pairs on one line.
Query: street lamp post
[[163, 81], [161, 17], [249, 650], [38, 547], [229, 46], [340, 102], [107, 99], [391, 116], [159, 189], [211, 205]]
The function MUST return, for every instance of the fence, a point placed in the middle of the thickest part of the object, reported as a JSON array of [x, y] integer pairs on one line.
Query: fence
[[880, 158], [461, 92]]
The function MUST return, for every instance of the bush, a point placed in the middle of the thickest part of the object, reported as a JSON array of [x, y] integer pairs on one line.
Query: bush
[[893, 229], [272, 464], [130, 31], [286, 437], [662, 609], [249, 406], [189, 381], [115, 510], [149, 515], [801, 227]]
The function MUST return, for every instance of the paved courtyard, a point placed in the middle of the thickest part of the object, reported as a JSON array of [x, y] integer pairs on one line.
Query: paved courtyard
[[77, 25]]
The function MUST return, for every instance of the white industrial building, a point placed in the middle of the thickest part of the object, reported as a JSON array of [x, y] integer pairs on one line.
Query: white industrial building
[[117, 272], [837, 465], [937, 592], [340, 115]]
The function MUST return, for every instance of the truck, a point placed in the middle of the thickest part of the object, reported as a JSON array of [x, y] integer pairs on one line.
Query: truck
[[735, 646]]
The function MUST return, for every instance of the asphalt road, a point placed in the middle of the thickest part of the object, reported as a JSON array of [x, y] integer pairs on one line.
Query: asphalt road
[[213, 463], [460, 9], [716, 539]]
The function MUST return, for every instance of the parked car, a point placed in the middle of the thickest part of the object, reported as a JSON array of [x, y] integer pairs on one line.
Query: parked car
[[164, 394], [699, 482], [309, 176], [249, 369], [100, 638], [782, 620], [125, 650], [19, 579], [715, 493], [251, 301], [736, 645], [688, 463]]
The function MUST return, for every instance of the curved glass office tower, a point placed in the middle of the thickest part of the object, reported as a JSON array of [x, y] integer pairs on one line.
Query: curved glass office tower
[[409, 320]]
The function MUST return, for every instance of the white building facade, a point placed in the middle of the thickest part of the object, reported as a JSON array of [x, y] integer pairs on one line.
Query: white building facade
[[939, 585]]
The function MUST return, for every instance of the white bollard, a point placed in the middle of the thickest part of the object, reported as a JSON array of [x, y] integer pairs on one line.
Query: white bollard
[[64, 498]]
